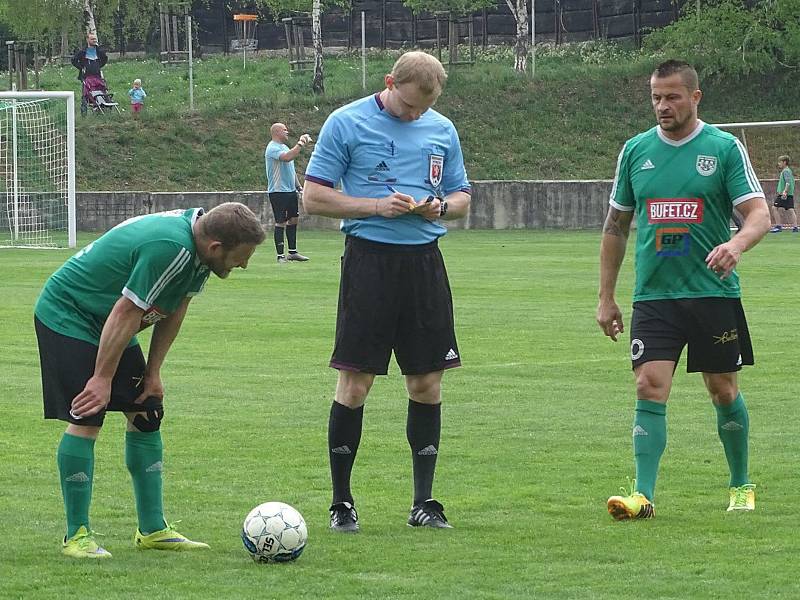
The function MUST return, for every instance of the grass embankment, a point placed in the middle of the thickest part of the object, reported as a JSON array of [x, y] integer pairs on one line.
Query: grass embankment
[[569, 123]]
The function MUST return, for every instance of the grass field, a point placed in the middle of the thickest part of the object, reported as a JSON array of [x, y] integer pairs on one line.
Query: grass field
[[536, 436]]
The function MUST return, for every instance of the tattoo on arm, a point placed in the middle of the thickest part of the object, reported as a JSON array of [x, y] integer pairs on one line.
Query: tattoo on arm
[[614, 223]]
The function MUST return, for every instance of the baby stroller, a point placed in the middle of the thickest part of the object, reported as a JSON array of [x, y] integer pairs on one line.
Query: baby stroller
[[97, 96]]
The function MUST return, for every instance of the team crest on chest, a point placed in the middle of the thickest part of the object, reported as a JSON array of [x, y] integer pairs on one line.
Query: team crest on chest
[[435, 167], [706, 165]]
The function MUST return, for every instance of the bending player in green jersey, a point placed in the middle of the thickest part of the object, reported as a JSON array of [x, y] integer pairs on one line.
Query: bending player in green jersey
[[681, 179], [143, 272]]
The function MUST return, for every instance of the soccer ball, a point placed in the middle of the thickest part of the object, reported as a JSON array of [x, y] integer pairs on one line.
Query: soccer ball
[[274, 532]]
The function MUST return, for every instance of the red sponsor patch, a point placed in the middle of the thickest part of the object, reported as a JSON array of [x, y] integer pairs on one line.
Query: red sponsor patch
[[675, 210]]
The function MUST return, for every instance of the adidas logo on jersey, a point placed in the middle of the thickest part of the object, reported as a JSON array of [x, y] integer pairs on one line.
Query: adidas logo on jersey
[[732, 426], [155, 467], [451, 355], [341, 450], [382, 166], [79, 477], [648, 164], [428, 451], [639, 430]]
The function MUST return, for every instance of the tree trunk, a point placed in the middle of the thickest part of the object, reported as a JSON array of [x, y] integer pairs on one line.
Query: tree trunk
[[519, 9], [64, 43], [88, 18], [318, 84]]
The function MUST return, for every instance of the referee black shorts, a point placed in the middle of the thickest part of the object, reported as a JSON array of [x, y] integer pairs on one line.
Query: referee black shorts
[[68, 363], [284, 205], [394, 298], [714, 329]]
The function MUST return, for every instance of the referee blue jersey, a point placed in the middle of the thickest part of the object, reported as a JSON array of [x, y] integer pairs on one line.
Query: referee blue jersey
[[367, 149]]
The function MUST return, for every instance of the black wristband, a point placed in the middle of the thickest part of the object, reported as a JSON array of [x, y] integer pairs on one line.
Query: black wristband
[[442, 208]]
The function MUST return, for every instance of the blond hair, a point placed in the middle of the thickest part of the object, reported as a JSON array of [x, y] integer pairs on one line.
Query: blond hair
[[422, 69], [135, 81], [232, 224]]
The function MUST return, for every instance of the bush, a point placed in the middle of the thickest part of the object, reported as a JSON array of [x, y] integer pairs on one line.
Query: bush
[[728, 37]]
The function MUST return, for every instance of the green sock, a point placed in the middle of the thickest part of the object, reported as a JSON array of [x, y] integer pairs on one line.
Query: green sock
[[733, 426], [649, 442], [144, 453], [75, 458]]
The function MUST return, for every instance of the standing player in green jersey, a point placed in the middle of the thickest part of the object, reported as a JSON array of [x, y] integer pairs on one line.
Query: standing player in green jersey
[[142, 272], [681, 179], [784, 201]]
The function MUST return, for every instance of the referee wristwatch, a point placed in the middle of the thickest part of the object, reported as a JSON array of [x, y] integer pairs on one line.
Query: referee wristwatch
[[442, 208]]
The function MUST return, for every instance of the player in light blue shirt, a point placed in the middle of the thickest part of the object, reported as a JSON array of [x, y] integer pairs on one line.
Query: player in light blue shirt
[[401, 171], [282, 188]]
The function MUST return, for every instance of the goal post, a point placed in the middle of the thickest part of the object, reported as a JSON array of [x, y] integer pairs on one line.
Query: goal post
[[37, 169], [765, 141]]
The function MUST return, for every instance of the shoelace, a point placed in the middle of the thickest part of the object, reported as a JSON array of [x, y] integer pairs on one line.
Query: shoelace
[[632, 485], [740, 496], [85, 540]]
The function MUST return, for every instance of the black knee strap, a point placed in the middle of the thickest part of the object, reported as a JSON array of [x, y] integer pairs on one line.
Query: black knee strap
[[151, 422]]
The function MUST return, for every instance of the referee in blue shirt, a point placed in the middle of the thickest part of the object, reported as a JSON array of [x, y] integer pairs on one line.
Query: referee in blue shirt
[[282, 188], [401, 172]]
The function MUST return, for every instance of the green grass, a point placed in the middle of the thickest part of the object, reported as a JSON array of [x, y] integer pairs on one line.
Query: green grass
[[569, 123], [536, 436]]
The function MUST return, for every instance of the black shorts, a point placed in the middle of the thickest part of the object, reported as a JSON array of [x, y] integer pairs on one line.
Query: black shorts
[[714, 329], [284, 205], [394, 298], [782, 202], [68, 363]]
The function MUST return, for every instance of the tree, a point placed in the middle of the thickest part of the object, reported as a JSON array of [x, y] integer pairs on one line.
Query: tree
[[460, 8], [734, 37], [315, 8], [519, 9]]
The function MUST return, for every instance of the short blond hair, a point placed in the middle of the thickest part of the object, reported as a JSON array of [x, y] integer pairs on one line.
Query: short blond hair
[[232, 224], [422, 69], [135, 81]]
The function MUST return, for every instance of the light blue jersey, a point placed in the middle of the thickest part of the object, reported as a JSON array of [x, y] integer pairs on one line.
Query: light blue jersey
[[367, 149], [91, 52], [280, 173]]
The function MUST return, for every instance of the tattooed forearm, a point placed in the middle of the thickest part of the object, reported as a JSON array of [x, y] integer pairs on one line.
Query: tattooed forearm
[[617, 223]]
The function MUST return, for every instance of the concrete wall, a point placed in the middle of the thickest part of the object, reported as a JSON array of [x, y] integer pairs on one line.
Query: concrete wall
[[495, 205]]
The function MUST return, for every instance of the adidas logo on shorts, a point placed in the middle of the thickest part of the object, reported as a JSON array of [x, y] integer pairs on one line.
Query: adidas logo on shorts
[[451, 355]]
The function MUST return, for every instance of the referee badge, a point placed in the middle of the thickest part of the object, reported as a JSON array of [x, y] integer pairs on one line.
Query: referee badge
[[706, 165], [435, 167]]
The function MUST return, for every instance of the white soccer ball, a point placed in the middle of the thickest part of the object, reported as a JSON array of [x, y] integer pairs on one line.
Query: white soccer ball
[[274, 532]]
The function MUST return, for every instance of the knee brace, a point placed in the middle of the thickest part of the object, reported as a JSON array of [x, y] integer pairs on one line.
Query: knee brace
[[151, 421]]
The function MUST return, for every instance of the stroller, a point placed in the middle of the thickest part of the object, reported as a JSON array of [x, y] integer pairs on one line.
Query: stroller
[[97, 96]]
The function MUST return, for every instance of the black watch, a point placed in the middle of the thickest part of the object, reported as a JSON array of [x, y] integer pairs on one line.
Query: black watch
[[442, 208]]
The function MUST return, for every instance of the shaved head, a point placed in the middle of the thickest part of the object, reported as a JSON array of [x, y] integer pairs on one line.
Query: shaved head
[[279, 132]]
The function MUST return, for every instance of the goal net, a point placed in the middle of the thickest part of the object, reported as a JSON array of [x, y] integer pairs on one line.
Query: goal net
[[766, 141], [37, 169]]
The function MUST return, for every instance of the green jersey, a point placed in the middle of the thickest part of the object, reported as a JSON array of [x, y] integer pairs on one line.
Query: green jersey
[[786, 182], [683, 193], [151, 260]]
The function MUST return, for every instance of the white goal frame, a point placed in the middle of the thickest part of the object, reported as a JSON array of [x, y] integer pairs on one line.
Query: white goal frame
[[69, 97], [752, 125]]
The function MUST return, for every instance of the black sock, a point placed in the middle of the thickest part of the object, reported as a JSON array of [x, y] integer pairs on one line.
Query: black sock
[[423, 427], [344, 435], [291, 237], [279, 240]]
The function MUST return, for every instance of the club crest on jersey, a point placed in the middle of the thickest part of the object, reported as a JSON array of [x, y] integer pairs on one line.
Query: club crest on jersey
[[675, 210], [706, 165], [435, 168]]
